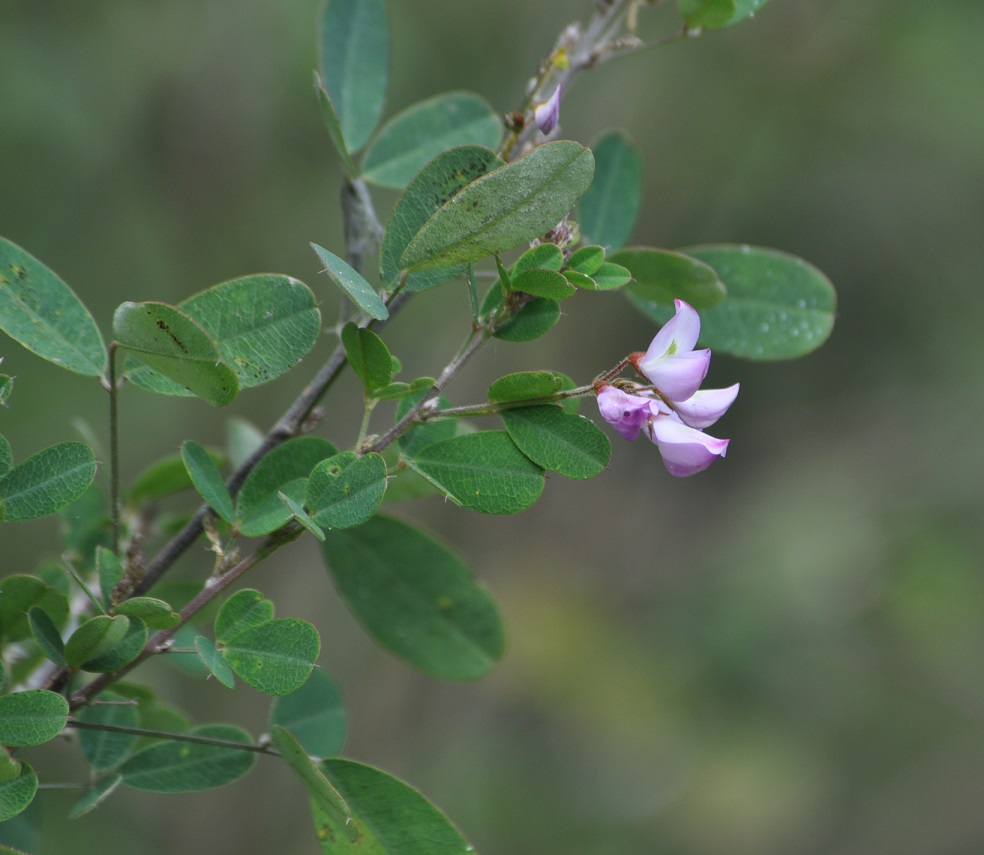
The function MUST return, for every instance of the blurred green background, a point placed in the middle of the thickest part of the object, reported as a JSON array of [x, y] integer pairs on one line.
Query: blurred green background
[[781, 655]]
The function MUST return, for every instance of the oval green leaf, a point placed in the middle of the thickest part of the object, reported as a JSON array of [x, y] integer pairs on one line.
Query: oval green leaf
[[31, 718], [177, 346], [207, 479], [286, 468], [570, 445], [165, 477], [546, 255], [662, 276], [418, 134], [18, 594], [93, 796], [610, 276], [535, 316], [123, 653], [155, 613], [17, 793], [608, 209], [505, 208], [175, 766], [483, 471], [352, 283], [244, 610], [39, 311], [104, 749], [368, 355], [778, 306], [541, 282], [711, 14], [276, 657], [263, 325], [47, 635], [526, 386], [416, 598], [391, 817], [313, 714], [355, 64], [586, 260], [96, 637], [435, 185], [334, 126], [346, 490], [212, 659], [46, 482]]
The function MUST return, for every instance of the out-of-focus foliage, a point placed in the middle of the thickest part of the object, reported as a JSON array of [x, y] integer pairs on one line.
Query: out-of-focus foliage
[[780, 657]]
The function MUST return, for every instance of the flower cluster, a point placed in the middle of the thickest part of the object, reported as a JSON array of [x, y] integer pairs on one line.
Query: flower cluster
[[672, 411]]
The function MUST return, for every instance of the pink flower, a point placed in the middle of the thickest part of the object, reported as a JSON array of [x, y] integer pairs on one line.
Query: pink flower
[[547, 114], [673, 410], [626, 413], [671, 364], [685, 450]]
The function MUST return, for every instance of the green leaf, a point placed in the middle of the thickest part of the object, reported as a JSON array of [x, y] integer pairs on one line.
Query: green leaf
[[47, 635], [662, 276], [276, 657], [246, 609], [96, 637], [334, 126], [608, 210], [177, 346], [313, 714], [174, 766], [286, 468], [104, 749], [94, 796], [213, 660], [263, 325], [6, 456], [586, 260], [123, 653], [17, 793], [546, 255], [42, 313], [18, 594], [505, 208], [46, 482], [714, 14], [324, 797], [416, 598], [242, 439], [401, 390], [6, 387], [536, 316], [391, 817], [707, 13], [299, 515], [433, 187], [543, 283], [154, 612], [778, 306], [110, 571], [352, 283], [418, 134], [610, 276], [346, 490], [483, 471], [571, 445], [165, 477], [207, 479], [31, 718], [355, 64], [526, 385], [368, 355]]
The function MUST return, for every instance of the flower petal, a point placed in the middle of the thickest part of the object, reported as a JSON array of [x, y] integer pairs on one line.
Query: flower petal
[[685, 450], [547, 114], [704, 408], [626, 413], [678, 335], [678, 377]]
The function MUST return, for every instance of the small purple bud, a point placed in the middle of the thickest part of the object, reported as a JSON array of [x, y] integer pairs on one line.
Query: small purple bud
[[547, 114]]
